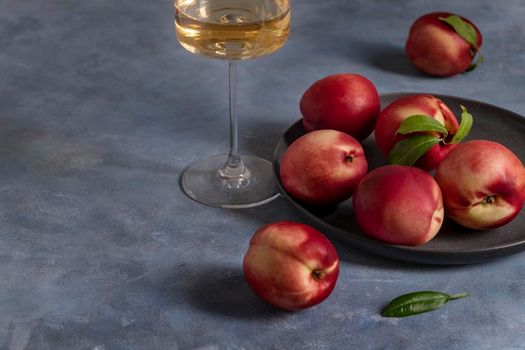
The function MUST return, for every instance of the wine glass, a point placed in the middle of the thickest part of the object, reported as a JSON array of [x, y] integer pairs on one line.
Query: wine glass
[[231, 30]]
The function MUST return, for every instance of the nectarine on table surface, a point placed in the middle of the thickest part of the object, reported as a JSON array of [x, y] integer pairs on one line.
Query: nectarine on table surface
[[291, 265], [443, 44]]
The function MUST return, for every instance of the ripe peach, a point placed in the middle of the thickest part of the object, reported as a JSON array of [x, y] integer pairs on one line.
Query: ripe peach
[[345, 102], [399, 204]]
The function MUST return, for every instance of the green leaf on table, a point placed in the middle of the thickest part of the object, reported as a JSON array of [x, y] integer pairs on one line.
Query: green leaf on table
[[464, 127], [417, 123], [463, 28], [474, 65], [409, 150], [417, 303]]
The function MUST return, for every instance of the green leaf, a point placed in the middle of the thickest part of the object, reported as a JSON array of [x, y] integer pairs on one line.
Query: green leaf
[[463, 28], [465, 126], [417, 303], [417, 123], [474, 65], [409, 150]]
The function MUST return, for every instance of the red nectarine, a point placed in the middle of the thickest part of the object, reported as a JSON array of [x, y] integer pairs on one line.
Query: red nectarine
[[323, 167], [291, 265], [483, 184], [345, 102], [399, 204]]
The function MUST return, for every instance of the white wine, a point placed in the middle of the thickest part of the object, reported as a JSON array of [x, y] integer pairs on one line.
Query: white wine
[[232, 29]]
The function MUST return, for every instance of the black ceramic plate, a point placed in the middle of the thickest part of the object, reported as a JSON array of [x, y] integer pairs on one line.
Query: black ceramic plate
[[453, 244]]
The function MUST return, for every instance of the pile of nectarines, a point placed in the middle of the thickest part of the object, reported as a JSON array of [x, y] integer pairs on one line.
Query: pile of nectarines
[[478, 184], [432, 175]]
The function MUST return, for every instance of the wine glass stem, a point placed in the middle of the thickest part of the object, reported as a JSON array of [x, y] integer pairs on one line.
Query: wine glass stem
[[234, 168], [234, 157]]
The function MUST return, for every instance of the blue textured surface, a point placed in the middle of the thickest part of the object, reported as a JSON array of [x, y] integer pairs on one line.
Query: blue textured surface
[[101, 109]]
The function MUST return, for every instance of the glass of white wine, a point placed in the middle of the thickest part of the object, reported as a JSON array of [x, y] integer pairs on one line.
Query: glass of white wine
[[231, 30]]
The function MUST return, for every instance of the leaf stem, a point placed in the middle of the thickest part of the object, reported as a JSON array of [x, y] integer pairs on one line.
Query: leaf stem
[[458, 296]]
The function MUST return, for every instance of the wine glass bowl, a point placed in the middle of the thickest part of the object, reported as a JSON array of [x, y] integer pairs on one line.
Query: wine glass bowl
[[231, 30]]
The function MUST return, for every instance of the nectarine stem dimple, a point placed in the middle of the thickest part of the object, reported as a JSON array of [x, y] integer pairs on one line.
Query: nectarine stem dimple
[[488, 200], [349, 158], [318, 274]]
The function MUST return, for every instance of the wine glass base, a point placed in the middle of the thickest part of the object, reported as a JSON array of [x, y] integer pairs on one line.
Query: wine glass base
[[201, 181]]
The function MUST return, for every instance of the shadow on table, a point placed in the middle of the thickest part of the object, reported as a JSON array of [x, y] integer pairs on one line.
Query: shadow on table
[[262, 135], [223, 291], [387, 57], [348, 254]]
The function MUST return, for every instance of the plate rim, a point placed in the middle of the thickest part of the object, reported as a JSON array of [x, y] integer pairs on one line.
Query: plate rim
[[440, 257]]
